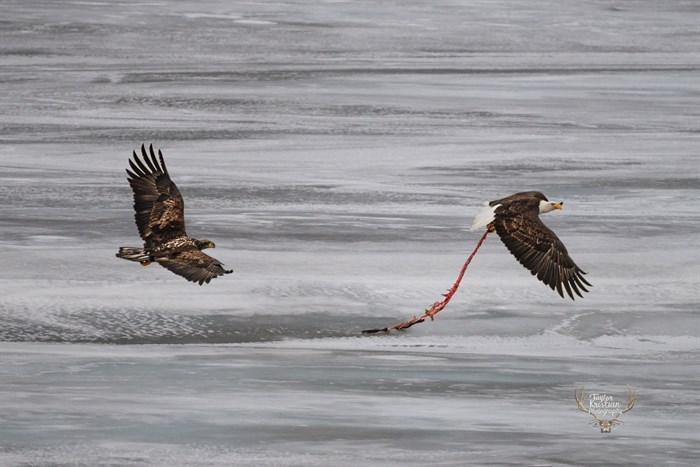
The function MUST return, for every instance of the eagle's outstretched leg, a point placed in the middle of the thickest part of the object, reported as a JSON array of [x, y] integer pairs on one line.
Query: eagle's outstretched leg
[[436, 307]]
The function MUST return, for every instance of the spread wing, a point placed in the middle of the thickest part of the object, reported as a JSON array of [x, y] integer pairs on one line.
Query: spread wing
[[160, 210], [194, 266], [537, 248]]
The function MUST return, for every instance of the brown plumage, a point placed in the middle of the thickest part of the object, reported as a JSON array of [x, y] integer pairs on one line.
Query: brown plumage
[[160, 218], [516, 220]]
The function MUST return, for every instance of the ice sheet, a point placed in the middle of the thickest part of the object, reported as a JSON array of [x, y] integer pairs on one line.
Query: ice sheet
[[336, 152]]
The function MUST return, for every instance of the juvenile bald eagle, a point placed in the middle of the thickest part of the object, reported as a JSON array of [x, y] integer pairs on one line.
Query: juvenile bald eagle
[[515, 219], [160, 218]]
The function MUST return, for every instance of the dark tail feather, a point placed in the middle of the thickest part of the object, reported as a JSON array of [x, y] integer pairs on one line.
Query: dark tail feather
[[133, 254]]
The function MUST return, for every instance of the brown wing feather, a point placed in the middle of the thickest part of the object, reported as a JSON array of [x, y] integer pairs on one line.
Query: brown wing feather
[[194, 266], [160, 209], [537, 248]]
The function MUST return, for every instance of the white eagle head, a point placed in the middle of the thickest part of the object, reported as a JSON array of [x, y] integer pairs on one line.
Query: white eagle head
[[549, 206]]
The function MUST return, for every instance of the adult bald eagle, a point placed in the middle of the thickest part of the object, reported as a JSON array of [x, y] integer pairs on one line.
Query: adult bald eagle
[[160, 218], [515, 219]]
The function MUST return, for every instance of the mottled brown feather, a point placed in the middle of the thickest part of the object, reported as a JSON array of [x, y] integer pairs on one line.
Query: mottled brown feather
[[194, 266], [159, 213], [160, 209]]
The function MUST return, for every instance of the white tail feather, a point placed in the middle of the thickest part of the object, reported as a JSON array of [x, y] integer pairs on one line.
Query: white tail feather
[[484, 217], [133, 254]]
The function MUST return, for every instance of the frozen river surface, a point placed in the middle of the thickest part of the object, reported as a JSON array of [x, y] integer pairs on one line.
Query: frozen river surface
[[336, 152]]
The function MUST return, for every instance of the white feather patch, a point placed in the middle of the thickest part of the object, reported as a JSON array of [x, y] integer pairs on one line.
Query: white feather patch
[[545, 207], [485, 216]]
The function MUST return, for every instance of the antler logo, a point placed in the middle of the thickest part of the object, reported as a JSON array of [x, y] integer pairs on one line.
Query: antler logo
[[605, 406]]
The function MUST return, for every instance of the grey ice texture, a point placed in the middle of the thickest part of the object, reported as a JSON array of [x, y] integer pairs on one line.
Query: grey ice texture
[[336, 152]]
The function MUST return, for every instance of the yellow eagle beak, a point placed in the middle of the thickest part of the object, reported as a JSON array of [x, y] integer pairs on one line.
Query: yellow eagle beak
[[558, 205]]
